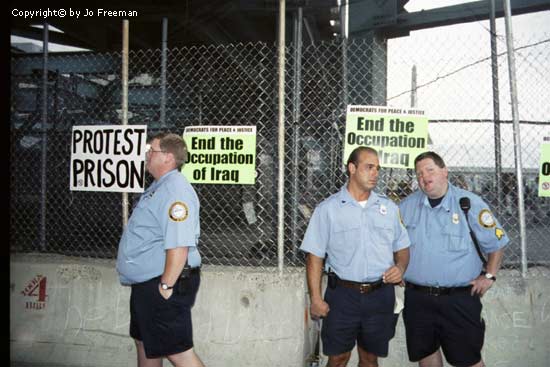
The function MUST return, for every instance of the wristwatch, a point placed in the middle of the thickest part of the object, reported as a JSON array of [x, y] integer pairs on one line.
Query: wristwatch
[[165, 286], [489, 276]]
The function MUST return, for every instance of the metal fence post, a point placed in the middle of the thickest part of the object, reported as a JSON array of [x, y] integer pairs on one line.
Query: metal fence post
[[296, 127], [281, 140], [344, 28], [344, 18], [496, 105], [414, 90], [43, 186], [125, 29], [163, 73], [517, 138]]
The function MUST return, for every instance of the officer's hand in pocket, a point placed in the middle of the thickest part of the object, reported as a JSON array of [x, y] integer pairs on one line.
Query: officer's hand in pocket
[[165, 293]]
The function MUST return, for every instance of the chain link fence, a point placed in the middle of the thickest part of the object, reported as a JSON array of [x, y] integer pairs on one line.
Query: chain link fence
[[237, 85]]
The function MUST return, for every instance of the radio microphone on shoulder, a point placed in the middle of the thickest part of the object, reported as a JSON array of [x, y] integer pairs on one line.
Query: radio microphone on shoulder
[[464, 203]]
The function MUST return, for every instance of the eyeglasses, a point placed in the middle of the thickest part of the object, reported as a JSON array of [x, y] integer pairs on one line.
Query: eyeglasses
[[149, 149]]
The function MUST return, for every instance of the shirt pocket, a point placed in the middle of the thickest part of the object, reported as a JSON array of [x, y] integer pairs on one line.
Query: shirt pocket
[[457, 240], [344, 239], [144, 202], [383, 232], [412, 232]]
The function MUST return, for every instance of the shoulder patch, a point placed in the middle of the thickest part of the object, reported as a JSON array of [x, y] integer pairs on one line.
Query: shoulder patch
[[486, 218], [178, 211]]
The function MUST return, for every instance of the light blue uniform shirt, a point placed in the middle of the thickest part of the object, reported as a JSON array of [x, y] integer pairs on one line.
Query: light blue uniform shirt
[[166, 217], [359, 242], [442, 251]]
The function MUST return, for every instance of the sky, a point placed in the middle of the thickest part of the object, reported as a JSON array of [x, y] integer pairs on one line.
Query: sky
[[439, 54]]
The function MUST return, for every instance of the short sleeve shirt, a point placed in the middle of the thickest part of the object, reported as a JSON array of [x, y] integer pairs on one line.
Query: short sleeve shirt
[[165, 217], [442, 252], [358, 242]]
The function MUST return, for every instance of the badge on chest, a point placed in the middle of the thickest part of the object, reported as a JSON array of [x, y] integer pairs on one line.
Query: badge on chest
[[455, 218]]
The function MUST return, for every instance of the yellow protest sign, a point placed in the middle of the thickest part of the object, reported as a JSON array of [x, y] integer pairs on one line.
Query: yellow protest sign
[[220, 154], [398, 134], [544, 173]]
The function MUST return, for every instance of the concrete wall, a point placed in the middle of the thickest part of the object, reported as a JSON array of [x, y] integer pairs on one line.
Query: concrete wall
[[242, 317], [69, 311]]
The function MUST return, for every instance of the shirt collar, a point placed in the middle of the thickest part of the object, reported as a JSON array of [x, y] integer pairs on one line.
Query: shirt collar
[[344, 197], [448, 200], [163, 178], [166, 175], [446, 203]]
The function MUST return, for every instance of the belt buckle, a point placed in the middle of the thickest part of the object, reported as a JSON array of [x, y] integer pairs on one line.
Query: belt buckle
[[364, 288], [434, 291]]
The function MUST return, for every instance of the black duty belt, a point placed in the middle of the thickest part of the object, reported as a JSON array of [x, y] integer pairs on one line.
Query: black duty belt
[[438, 291], [361, 287], [189, 271]]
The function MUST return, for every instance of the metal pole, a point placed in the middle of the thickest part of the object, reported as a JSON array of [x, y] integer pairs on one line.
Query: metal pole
[[413, 87], [163, 73], [43, 186], [345, 97], [125, 30], [296, 126], [414, 97], [496, 106], [281, 140], [517, 138], [414, 102], [344, 32], [344, 19]]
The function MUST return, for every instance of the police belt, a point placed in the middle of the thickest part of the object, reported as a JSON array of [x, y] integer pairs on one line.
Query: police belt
[[187, 271], [361, 287], [438, 291]]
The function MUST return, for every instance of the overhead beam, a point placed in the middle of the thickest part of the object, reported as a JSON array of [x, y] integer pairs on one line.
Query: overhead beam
[[237, 25], [401, 22], [463, 13], [54, 37], [273, 5]]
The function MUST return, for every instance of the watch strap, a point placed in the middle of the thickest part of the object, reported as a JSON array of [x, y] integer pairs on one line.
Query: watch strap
[[489, 276], [165, 286]]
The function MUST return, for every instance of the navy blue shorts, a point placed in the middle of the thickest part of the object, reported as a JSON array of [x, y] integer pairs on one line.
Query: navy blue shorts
[[367, 319], [163, 325], [452, 322]]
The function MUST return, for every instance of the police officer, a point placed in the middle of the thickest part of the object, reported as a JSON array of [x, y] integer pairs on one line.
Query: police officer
[[366, 249], [158, 257], [444, 280]]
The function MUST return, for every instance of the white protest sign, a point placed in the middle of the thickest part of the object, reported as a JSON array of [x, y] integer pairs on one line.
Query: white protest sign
[[108, 158]]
